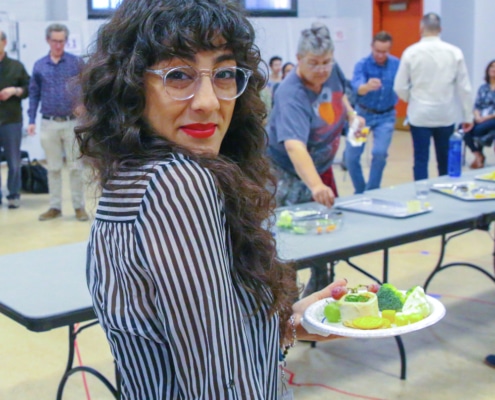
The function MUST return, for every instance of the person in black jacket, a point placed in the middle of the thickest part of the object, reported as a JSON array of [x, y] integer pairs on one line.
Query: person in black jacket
[[14, 83]]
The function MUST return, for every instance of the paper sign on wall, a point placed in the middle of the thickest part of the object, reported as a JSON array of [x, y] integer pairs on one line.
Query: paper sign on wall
[[73, 44]]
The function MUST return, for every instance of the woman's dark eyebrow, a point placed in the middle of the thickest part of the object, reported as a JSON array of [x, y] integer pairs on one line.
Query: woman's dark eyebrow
[[222, 57], [225, 57]]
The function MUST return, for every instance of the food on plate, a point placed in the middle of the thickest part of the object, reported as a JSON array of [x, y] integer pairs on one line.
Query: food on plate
[[302, 222], [389, 314], [332, 312], [490, 176], [368, 322], [284, 220], [361, 309], [389, 298], [338, 292], [416, 302], [413, 206], [484, 195], [356, 305], [373, 287]]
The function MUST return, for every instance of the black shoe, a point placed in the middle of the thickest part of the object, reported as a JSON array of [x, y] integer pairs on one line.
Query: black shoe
[[490, 360]]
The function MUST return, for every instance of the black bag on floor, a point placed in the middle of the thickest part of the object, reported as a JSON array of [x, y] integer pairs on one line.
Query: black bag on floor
[[34, 177]]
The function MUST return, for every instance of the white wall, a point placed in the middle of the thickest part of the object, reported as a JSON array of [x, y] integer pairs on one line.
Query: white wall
[[432, 6], [484, 33], [469, 25], [25, 10]]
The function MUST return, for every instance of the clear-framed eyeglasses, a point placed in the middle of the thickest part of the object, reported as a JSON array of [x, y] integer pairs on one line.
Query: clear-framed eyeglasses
[[321, 67], [181, 83]]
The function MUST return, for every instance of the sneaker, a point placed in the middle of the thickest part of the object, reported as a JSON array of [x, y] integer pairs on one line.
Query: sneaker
[[14, 203], [52, 213], [81, 214], [490, 360]]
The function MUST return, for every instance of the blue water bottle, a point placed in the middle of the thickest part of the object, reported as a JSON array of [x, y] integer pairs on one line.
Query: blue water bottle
[[455, 154]]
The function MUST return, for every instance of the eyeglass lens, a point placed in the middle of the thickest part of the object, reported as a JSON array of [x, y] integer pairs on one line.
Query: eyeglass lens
[[322, 67], [228, 83]]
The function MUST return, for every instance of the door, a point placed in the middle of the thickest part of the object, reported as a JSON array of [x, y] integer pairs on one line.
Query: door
[[401, 18]]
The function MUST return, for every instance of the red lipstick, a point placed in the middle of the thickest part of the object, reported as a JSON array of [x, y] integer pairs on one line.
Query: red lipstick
[[199, 131]]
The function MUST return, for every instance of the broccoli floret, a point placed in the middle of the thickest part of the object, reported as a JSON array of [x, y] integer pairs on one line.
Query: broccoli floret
[[389, 298]]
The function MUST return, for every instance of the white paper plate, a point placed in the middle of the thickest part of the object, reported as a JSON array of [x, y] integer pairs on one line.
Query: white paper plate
[[315, 322]]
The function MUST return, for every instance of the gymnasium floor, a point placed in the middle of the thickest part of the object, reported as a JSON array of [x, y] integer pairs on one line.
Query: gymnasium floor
[[445, 361]]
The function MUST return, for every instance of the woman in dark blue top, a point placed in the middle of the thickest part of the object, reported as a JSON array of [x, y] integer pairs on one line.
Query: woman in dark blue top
[[483, 131]]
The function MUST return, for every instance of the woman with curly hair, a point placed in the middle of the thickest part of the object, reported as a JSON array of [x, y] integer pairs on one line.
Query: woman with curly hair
[[182, 269]]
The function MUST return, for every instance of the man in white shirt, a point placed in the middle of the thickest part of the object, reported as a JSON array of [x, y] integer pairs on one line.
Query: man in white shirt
[[431, 74]]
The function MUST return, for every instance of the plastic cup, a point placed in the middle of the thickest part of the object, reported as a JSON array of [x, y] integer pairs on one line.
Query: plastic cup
[[422, 189]]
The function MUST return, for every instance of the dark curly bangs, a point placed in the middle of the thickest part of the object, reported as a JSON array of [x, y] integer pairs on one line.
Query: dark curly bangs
[[183, 28]]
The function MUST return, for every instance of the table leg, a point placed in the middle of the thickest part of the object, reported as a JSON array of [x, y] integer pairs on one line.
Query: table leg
[[70, 369], [385, 265], [320, 276], [493, 251], [403, 361], [439, 267]]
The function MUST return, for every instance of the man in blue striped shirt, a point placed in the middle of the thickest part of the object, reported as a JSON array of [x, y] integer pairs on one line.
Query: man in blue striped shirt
[[52, 85], [373, 81]]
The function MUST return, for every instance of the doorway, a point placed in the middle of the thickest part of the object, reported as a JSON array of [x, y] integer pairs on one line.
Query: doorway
[[400, 18]]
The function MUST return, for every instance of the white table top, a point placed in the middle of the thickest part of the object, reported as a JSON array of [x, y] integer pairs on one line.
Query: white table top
[[45, 289]]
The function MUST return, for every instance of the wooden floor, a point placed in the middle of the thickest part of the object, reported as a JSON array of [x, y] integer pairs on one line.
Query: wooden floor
[[445, 361]]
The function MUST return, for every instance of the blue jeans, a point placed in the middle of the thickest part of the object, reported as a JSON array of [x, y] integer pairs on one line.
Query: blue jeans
[[421, 137], [382, 126], [478, 131], [10, 141]]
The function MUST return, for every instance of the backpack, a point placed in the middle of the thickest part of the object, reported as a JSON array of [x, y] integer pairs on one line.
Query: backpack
[[34, 177]]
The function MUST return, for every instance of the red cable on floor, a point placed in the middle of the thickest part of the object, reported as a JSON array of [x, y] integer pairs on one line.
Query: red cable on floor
[[291, 382], [79, 360]]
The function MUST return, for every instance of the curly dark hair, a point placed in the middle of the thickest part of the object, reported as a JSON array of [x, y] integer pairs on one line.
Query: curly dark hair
[[113, 134]]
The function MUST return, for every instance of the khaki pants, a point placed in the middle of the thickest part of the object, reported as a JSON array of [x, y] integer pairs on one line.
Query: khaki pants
[[57, 139]]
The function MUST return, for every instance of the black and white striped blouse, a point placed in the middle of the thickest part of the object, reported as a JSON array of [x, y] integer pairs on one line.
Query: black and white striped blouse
[[161, 276]]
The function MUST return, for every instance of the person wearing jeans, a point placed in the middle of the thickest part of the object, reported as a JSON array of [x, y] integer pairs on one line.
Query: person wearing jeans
[[373, 80], [421, 138], [484, 118], [382, 126], [432, 78], [14, 82]]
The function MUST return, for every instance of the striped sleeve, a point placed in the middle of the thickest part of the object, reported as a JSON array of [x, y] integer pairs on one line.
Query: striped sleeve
[[183, 242]]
